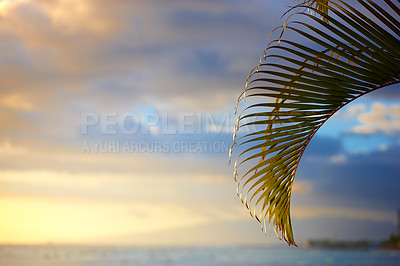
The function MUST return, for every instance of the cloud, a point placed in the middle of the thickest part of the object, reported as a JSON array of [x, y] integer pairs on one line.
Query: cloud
[[350, 112], [63, 58], [219, 180], [7, 149], [340, 228], [364, 180], [302, 187], [338, 159], [71, 44], [79, 16], [351, 213], [381, 118], [16, 101]]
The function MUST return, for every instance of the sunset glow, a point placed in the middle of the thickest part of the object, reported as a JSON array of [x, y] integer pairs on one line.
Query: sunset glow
[[71, 71]]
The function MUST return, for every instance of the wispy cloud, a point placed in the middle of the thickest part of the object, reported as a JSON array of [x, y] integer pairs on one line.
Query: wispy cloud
[[380, 118], [352, 213]]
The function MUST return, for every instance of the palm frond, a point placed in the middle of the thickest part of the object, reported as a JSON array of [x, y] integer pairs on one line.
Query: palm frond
[[299, 85], [321, 5]]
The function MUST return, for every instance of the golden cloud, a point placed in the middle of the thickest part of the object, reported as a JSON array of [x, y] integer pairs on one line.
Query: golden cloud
[[381, 118]]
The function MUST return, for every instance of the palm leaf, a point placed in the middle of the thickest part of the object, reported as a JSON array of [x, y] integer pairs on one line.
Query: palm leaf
[[321, 5], [297, 87]]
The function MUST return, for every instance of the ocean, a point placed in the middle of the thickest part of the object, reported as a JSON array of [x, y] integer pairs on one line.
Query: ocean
[[190, 255]]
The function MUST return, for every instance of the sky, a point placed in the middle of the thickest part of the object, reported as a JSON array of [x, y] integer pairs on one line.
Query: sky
[[117, 116]]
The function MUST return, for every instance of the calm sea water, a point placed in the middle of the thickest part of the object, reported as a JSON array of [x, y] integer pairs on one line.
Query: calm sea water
[[191, 256]]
